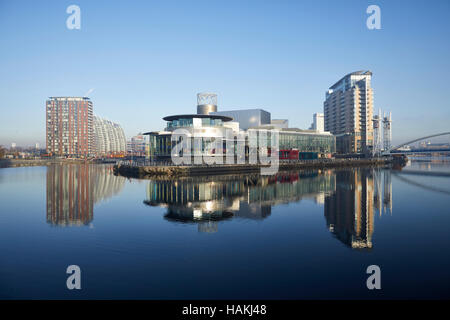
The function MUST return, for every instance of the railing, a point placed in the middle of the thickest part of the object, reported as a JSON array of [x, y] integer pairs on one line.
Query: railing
[[141, 163]]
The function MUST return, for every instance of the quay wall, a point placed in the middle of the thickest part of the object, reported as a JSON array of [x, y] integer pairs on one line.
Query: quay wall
[[140, 171], [10, 163]]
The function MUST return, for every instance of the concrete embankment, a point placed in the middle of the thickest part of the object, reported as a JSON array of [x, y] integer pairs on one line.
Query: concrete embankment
[[176, 171], [9, 163]]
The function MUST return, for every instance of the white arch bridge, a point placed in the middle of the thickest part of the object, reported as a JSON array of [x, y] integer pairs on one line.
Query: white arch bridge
[[419, 139]]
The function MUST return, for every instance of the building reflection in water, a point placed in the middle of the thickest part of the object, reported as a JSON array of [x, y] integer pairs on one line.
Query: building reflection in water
[[207, 200], [349, 212], [74, 189], [387, 192], [350, 199]]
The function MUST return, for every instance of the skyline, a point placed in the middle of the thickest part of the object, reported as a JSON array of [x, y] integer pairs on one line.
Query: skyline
[[146, 61]]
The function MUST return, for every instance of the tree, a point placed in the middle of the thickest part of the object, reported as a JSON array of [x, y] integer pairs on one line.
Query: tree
[[2, 152]]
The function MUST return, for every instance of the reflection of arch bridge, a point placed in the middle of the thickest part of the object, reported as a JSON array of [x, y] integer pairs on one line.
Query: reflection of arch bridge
[[415, 140], [419, 184]]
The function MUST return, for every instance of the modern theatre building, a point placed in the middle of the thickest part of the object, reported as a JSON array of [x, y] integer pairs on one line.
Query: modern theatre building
[[219, 132]]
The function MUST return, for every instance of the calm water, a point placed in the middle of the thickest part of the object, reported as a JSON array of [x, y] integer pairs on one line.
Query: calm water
[[294, 235]]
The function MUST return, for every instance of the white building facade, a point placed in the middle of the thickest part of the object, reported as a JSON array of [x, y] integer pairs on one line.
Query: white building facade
[[318, 123], [109, 138]]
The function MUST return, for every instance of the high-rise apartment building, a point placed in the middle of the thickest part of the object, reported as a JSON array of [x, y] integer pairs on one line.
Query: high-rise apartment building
[[318, 123], [69, 126], [109, 138], [348, 110]]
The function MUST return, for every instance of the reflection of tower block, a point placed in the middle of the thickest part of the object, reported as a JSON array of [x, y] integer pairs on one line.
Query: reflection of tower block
[[387, 134], [387, 192], [377, 190], [206, 103]]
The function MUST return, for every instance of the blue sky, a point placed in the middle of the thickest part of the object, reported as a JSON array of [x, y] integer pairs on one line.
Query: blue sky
[[148, 59]]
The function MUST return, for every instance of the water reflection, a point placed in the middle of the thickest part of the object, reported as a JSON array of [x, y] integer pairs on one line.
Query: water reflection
[[207, 200], [350, 199], [349, 211], [73, 190]]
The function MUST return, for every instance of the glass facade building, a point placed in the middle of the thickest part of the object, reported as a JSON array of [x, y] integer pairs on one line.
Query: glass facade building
[[235, 133], [293, 143], [207, 127], [307, 142]]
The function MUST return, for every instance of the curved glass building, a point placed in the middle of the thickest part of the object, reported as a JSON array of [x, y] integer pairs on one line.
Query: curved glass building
[[109, 138], [208, 127]]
